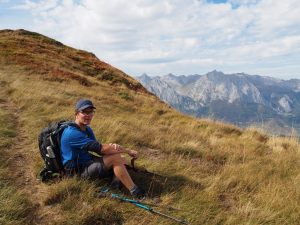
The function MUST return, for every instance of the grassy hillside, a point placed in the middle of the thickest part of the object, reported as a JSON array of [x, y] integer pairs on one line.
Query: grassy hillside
[[214, 173]]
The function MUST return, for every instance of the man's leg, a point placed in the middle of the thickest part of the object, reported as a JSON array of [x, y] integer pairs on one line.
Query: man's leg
[[116, 162]]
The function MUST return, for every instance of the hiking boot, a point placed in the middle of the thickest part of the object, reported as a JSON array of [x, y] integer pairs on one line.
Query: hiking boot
[[116, 184], [138, 193]]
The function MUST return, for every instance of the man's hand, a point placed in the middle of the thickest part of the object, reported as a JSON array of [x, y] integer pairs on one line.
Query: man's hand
[[121, 149], [133, 153], [116, 147]]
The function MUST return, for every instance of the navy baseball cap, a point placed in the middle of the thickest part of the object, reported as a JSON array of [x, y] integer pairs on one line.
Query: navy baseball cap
[[84, 104]]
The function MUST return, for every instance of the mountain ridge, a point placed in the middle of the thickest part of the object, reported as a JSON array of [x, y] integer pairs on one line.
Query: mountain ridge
[[45, 54], [267, 98]]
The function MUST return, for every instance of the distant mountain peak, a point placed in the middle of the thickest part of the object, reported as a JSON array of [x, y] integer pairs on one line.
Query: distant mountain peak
[[144, 75], [237, 98], [215, 73], [170, 75]]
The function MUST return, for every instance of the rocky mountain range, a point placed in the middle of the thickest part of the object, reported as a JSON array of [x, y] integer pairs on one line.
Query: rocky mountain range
[[236, 98]]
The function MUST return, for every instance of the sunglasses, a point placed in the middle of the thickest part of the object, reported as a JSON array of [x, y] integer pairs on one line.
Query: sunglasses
[[87, 112]]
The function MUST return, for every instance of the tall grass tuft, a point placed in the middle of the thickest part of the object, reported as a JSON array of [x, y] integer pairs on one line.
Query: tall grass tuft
[[215, 173]]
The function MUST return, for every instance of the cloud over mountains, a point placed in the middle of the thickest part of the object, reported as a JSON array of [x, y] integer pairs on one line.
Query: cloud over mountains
[[176, 36]]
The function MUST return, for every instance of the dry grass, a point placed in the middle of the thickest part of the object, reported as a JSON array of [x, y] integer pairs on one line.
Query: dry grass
[[214, 172], [15, 208]]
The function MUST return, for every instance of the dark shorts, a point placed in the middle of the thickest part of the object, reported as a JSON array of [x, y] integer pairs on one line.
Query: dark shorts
[[94, 169]]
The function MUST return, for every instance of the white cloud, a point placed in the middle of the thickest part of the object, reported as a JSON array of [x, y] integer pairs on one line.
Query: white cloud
[[174, 35], [37, 6]]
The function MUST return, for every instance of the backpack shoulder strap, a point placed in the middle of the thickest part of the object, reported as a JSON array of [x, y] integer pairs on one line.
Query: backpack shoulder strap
[[66, 124], [62, 127], [73, 124]]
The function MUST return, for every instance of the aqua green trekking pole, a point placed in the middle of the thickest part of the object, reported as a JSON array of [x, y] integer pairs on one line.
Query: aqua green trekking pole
[[147, 207]]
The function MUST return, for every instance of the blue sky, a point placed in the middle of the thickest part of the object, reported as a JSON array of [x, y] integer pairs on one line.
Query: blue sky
[[217, 1], [171, 36]]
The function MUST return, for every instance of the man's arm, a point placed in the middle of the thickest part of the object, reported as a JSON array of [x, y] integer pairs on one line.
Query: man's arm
[[109, 149]]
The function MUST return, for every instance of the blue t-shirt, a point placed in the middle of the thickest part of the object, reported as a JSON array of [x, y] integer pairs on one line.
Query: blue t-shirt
[[75, 144]]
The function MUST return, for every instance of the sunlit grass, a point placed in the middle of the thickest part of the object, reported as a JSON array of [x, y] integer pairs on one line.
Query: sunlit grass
[[15, 208], [215, 173], [221, 172]]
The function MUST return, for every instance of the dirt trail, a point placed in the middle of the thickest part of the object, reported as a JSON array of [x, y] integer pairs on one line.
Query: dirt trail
[[22, 173]]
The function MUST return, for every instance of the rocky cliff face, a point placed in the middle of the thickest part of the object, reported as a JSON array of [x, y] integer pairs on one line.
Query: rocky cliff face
[[168, 91], [238, 98]]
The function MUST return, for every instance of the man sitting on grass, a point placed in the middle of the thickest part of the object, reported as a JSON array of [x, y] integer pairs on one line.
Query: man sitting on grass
[[78, 141]]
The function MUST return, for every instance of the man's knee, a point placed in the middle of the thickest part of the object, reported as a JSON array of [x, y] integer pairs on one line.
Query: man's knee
[[111, 160], [118, 159]]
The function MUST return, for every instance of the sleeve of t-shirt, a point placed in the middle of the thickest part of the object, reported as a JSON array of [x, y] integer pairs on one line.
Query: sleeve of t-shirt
[[80, 141], [95, 146]]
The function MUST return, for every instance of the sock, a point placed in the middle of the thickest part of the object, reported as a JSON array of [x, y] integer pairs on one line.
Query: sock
[[133, 189]]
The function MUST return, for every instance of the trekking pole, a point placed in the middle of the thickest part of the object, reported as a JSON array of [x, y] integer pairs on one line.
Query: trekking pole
[[104, 193], [147, 207]]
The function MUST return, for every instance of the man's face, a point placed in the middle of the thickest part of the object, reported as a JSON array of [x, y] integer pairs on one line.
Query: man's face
[[85, 116]]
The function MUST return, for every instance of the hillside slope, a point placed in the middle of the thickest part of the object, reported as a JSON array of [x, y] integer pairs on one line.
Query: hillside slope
[[213, 172]]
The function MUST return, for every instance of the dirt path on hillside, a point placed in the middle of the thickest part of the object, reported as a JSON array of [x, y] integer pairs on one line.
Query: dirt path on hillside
[[22, 174]]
